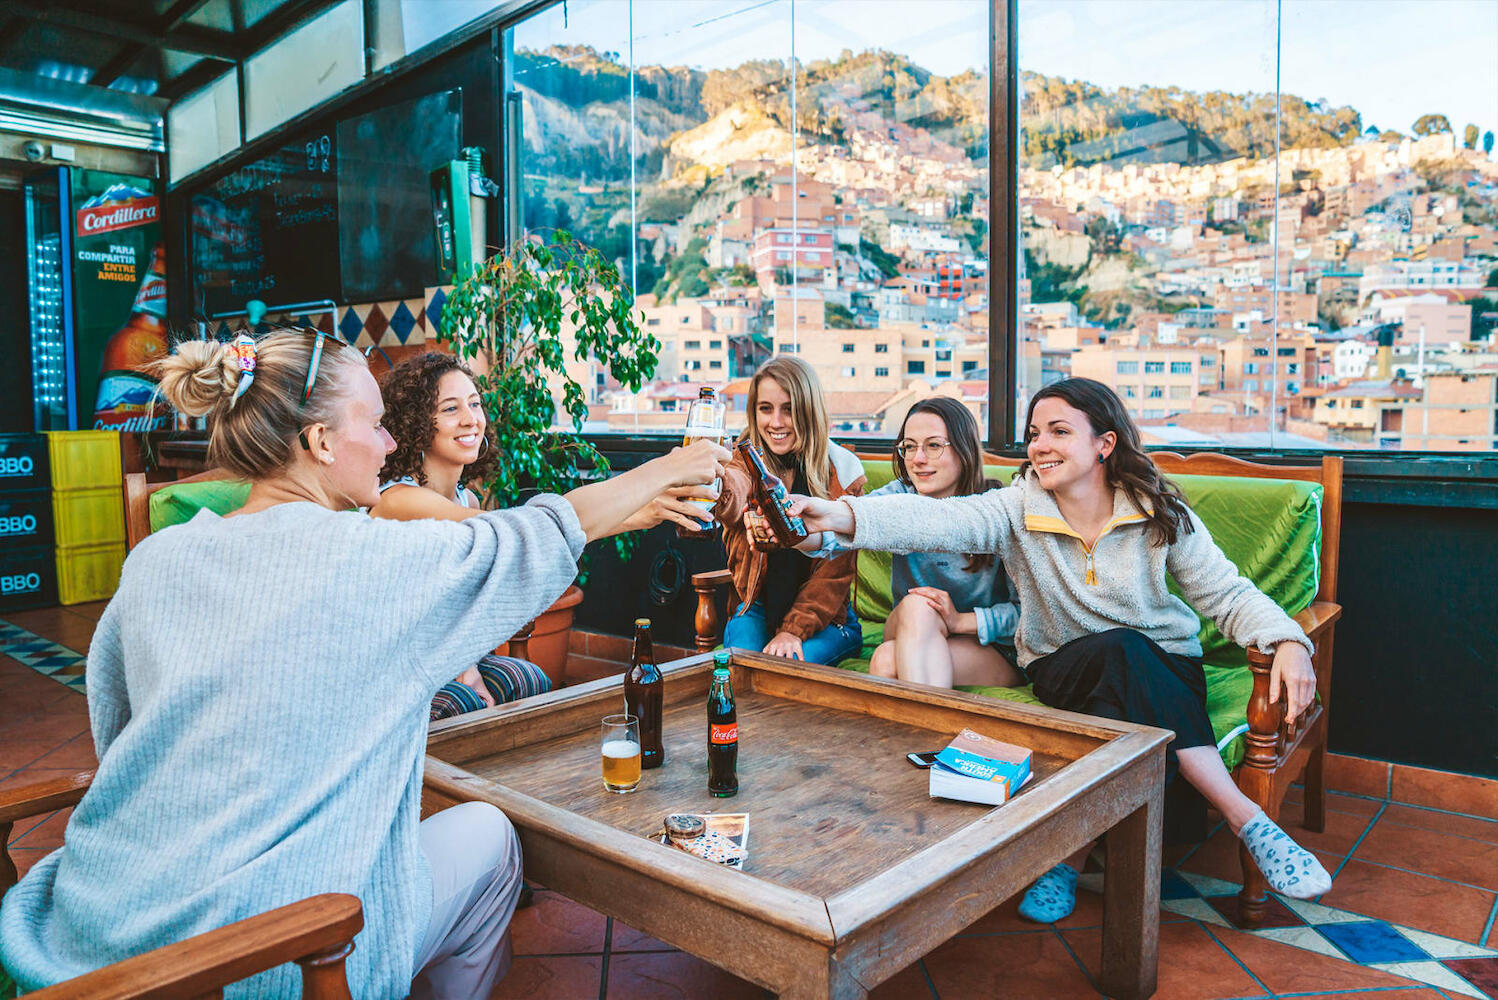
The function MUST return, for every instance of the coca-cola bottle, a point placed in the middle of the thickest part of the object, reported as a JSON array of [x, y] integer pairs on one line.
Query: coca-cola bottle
[[772, 499], [722, 731], [642, 695], [127, 395]]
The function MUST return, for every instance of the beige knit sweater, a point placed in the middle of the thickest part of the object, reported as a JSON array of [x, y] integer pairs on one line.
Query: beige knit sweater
[[1067, 591]]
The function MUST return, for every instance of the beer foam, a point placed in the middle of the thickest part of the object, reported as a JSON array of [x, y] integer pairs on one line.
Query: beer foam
[[621, 749]]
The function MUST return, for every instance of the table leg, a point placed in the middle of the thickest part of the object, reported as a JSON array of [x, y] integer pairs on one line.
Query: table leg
[[1131, 903], [825, 982]]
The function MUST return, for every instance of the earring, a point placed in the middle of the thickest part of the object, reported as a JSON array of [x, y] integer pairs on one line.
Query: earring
[[1101, 458], [483, 446]]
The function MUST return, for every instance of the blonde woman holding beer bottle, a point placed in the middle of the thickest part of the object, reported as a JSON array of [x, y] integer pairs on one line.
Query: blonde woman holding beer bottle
[[789, 604], [259, 687]]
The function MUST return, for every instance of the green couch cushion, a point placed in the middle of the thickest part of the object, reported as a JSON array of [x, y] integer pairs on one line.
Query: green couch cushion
[[1269, 528], [178, 503]]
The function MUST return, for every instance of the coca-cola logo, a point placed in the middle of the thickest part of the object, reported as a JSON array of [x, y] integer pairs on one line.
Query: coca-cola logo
[[113, 215]]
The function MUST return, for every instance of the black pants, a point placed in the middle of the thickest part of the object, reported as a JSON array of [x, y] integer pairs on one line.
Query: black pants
[[1122, 674]]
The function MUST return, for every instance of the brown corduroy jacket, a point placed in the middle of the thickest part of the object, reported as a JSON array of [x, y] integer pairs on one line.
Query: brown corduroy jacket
[[823, 598]]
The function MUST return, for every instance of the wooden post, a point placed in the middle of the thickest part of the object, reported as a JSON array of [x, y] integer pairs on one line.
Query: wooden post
[[323, 975]]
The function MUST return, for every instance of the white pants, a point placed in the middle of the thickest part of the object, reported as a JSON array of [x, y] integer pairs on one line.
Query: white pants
[[475, 860]]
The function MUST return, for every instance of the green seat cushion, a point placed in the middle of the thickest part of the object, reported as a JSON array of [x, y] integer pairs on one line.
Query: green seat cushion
[[180, 502], [1269, 528]]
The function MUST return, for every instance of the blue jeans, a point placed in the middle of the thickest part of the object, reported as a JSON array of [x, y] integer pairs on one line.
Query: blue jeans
[[747, 630]]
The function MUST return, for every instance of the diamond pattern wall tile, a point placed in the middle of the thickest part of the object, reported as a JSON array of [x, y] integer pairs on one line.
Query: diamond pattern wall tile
[[402, 322]]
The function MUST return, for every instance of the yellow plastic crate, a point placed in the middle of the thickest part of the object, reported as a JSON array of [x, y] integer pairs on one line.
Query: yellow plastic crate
[[88, 517], [89, 572], [84, 460]]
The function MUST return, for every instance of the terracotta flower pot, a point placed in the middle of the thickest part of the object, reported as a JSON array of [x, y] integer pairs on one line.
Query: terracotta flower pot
[[549, 640]]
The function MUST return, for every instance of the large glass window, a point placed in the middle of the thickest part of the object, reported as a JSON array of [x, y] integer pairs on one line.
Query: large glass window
[[1248, 179], [807, 178]]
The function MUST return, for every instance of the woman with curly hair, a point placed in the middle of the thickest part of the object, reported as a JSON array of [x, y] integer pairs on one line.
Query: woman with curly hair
[[443, 442]]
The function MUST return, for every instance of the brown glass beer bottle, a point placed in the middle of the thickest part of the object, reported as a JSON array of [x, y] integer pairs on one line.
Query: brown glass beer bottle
[[773, 501], [642, 695]]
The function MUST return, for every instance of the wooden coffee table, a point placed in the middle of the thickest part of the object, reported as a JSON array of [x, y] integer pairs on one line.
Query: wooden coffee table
[[854, 871]]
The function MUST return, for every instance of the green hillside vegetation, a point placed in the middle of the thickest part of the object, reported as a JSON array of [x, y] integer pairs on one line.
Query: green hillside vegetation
[[1059, 114]]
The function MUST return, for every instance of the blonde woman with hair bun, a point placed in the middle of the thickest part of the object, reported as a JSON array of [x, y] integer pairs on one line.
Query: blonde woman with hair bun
[[787, 603], [259, 687]]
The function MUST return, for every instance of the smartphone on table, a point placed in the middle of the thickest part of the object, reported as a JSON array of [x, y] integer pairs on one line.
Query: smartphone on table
[[922, 759]]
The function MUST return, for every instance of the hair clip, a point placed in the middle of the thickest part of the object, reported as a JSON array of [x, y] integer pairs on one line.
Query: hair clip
[[312, 366], [243, 348]]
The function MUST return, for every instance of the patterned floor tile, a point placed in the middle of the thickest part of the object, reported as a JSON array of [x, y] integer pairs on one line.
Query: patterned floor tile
[[1371, 942], [1436, 975], [46, 657], [1480, 972]]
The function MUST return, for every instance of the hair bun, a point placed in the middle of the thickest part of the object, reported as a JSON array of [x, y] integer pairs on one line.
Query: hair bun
[[198, 376]]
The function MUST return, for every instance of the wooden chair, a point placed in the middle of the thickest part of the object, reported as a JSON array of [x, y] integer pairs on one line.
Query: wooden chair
[[317, 933], [1277, 754]]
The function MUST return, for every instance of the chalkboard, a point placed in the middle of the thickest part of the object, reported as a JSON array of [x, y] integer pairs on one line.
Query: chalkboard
[[385, 157], [269, 230]]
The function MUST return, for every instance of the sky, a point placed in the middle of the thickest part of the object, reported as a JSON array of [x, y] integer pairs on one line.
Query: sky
[[1392, 60]]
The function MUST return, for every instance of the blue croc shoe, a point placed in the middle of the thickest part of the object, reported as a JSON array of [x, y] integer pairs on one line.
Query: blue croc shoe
[[1052, 897]]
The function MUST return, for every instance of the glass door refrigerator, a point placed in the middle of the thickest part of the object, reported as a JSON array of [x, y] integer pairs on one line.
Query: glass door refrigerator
[[97, 288]]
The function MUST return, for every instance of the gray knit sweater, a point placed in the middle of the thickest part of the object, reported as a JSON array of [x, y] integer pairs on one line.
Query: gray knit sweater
[[258, 690], [1065, 591]]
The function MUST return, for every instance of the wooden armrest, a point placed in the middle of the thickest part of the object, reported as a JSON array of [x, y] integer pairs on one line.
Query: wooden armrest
[[33, 800], [44, 796], [710, 579], [1318, 617], [706, 622], [317, 933]]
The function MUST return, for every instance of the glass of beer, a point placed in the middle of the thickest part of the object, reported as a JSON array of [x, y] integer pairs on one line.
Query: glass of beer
[[621, 753]]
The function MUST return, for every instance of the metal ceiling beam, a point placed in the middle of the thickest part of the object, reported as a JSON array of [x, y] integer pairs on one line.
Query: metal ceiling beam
[[281, 20], [198, 75], [182, 39], [115, 67], [177, 14]]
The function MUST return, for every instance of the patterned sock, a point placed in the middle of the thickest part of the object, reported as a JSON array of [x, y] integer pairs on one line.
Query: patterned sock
[[1289, 868], [1052, 897]]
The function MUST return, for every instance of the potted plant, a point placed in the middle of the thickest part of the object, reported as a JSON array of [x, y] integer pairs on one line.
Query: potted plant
[[518, 319]]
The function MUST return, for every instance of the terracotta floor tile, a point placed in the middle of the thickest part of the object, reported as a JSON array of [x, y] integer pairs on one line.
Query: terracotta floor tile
[[1461, 859], [581, 669], [47, 834], [1012, 966], [1419, 786], [551, 976], [76, 753], [1292, 813], [627, 938], [59, 727], [555, 925], [1218, 857], [1359, 775], [1420, 993], [1342, 830], [907, 984], [1416, 901], [1002, 918], [25, 857], [1287, 969], [674, 975], [1192, 965], [91, 610], [1434, 819], [16, 754]]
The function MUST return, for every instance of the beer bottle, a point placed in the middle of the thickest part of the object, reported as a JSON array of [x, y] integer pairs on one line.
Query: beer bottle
[[722, 732], [704, 420], [642, 695], [774, 503], [126, 400]]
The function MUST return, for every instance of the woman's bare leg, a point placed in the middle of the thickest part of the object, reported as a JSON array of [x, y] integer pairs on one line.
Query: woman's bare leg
[[1203, 767], [883, 662], [921, 653], [976, 664]]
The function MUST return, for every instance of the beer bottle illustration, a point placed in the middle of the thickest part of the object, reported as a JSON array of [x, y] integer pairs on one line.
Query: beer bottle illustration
[[127, 396]]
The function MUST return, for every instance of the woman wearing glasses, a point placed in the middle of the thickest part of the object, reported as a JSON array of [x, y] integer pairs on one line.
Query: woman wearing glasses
[[259, 688], [954, 615]]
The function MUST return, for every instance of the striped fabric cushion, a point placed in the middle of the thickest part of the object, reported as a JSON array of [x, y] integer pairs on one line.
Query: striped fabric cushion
[[508, 679]]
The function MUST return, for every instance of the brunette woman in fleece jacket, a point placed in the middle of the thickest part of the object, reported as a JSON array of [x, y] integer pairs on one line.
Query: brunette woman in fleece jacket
[[1087, 532]]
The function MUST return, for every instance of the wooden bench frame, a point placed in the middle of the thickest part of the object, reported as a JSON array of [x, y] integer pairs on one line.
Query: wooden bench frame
[[1276, 753]]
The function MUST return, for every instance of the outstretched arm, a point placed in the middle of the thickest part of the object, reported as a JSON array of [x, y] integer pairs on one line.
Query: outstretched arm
[[604, 507], [977, 523]]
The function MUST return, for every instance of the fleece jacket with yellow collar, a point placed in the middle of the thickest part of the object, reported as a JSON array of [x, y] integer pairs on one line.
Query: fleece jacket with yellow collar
[[1067, 589]]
